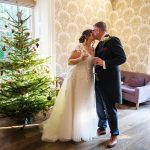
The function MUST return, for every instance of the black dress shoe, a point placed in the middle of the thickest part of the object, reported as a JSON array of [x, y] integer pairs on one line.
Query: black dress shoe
[[101, 132]]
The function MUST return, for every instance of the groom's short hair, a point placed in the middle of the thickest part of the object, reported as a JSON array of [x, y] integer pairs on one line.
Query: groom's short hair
[[101, 25]]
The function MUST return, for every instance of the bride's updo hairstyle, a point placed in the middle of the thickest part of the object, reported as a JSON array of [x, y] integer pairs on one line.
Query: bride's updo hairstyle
[[85, 35]]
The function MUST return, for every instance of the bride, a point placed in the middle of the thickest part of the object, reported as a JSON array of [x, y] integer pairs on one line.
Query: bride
[[74, 113]]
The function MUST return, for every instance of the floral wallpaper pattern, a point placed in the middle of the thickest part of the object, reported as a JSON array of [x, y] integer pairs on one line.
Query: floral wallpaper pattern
[[127, 19], [131, 22]]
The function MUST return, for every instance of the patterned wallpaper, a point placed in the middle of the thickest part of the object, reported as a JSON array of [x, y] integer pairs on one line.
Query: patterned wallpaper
[[72, 17], [131, 22], [127, 19]]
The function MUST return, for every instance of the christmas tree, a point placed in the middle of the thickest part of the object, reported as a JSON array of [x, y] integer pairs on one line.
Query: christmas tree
[[26, 87]]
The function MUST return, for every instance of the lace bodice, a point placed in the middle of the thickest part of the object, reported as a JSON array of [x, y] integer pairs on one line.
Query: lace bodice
[[84, 69]]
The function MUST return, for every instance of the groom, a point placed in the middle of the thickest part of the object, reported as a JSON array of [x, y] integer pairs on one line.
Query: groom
[[109, 54]]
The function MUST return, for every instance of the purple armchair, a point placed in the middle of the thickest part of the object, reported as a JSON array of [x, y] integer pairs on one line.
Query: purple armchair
[[135, 87]]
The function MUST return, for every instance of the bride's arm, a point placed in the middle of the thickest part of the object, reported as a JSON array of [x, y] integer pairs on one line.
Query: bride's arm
[[75, 57]]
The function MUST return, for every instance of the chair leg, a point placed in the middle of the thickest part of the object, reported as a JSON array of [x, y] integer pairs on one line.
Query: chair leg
[[137, 105]]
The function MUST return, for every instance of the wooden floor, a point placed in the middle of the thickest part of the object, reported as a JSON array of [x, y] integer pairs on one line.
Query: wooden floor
[[134, 126]]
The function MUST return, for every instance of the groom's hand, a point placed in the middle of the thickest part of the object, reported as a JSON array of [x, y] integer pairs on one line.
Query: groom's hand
[[97, 61]]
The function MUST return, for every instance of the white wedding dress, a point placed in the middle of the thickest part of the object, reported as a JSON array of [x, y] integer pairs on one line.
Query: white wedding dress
[[74, 113]]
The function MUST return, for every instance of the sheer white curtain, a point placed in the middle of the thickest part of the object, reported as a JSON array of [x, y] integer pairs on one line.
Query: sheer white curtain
[[44, 28]]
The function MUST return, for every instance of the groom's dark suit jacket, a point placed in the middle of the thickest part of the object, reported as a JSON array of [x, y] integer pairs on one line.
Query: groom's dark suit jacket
[[111, 51]]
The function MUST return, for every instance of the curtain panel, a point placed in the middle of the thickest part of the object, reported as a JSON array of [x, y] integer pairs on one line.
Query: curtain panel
[[44, 29]]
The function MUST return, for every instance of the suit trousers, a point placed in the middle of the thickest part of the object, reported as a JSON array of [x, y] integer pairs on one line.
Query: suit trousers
[[106, 110]]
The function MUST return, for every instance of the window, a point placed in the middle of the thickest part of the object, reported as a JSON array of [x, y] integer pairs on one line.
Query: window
[[11, 9]]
